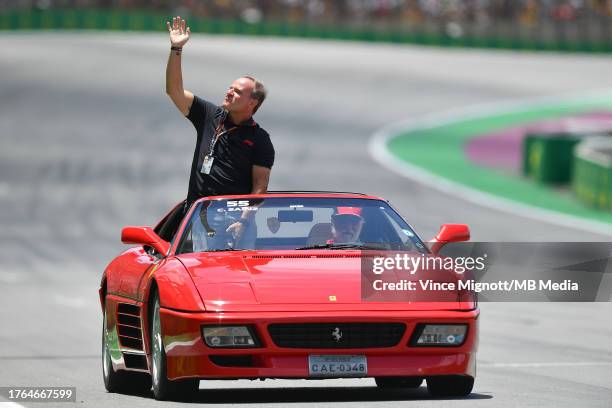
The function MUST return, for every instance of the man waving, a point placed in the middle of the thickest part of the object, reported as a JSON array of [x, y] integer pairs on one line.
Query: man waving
[[233, 154]]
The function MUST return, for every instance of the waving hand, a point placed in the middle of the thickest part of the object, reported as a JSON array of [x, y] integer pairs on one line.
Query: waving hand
[[178, 34]]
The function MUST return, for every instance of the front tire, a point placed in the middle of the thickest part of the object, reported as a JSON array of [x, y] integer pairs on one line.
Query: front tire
[[398, 382], [119, 381], [164, 389], [450, 386]]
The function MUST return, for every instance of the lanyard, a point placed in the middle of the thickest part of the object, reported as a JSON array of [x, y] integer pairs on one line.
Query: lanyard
[[219, 133]]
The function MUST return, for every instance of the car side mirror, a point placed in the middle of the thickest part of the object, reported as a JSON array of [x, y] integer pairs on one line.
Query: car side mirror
[[449, 233], [144, 236]]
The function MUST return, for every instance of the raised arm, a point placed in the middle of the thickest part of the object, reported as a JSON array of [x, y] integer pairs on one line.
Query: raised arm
[[174, 75]]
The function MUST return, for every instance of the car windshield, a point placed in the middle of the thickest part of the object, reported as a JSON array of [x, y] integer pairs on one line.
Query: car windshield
[[300, 223]]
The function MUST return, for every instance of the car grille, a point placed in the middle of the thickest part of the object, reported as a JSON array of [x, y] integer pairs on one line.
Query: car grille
[[337, 335]]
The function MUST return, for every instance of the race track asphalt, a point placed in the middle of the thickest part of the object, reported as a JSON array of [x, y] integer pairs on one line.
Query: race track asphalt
[[89, 143]]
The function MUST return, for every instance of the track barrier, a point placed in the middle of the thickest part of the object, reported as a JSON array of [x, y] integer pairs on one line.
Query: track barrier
[[592, 172], [98, 19], [548, 158]]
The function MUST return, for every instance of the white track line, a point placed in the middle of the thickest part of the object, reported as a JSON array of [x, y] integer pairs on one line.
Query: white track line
[[379, 151]]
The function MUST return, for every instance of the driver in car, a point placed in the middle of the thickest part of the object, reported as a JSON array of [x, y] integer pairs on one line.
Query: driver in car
[[346, 226]]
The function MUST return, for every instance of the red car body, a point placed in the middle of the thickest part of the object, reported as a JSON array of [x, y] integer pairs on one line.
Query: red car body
[[259, 289]]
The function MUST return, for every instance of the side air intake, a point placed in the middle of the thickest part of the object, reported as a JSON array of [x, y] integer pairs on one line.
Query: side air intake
[[129, 326]]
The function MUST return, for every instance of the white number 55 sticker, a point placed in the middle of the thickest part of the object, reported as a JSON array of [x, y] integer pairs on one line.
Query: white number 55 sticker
[[240, 203]]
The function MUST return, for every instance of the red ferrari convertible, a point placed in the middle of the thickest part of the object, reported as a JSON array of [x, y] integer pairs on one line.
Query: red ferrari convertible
[[272, 286]]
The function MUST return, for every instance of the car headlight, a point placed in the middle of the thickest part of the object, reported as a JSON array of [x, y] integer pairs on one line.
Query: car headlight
[[229, 336], [439, 335]]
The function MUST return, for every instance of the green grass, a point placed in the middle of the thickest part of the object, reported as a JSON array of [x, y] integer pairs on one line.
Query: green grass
[[440, 150]]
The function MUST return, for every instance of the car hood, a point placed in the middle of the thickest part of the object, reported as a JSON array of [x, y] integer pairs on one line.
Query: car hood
[[313, 281]]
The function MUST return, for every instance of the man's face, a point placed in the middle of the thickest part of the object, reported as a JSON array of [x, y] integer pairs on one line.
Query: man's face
[[346, 228], [238, 97]]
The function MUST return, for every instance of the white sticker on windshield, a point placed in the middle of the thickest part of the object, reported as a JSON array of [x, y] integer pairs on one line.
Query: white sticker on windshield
[[237, 203], [240, 205], [242, 209], [408, 232]]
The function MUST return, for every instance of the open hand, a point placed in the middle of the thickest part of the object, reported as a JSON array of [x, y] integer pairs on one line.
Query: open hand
[[178, 34], [236, 229]]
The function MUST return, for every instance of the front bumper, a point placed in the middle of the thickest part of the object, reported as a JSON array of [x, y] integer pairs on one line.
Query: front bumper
[[189, 357]]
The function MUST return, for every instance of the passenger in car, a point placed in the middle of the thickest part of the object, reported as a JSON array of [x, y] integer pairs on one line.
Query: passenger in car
[[346, 226]]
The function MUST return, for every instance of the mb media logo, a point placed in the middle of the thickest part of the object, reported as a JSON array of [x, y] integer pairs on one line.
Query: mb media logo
[[337, 334]]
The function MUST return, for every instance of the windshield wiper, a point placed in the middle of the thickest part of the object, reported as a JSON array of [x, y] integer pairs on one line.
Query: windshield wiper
[[224, 249], [343, 246]]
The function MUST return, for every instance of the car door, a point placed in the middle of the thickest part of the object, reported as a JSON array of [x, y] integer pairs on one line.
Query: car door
[[137, 263]]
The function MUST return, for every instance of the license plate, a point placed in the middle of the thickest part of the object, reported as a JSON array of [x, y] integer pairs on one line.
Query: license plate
[[337, 366]]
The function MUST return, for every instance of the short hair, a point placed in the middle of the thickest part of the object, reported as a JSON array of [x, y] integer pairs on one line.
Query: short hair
[[259, 92]]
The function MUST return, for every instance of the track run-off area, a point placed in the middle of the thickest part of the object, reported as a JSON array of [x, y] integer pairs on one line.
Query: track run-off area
[[402, 148], [91, 143]]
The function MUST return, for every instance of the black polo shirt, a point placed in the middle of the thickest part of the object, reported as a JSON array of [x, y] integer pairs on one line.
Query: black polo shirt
[[235, 153]]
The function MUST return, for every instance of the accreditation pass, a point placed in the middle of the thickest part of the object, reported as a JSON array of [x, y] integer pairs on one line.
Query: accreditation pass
[[207, 164]]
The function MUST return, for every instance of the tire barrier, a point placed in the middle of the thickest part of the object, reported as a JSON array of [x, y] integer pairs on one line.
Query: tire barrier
[[592, 173], [96, 19], [548, 158]]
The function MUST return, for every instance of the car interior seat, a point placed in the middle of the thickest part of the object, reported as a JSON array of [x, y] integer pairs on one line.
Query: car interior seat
[[319, 234]]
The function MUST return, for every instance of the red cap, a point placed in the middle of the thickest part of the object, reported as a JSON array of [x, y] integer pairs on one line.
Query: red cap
[[356, 211]]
